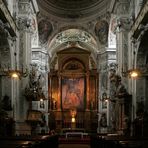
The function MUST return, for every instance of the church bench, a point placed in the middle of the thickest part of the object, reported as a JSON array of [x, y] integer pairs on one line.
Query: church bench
[[118, 142], [16, 144], [30, 141]]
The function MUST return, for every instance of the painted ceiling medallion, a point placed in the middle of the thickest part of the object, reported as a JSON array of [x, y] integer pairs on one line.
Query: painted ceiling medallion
[[45, 29], [101, 31]]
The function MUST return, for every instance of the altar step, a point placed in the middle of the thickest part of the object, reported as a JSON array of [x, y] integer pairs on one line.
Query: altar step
[[74, 146], [74, 140]]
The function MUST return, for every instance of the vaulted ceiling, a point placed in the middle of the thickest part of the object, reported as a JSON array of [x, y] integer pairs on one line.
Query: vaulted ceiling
[[70, 22], [73, 9]]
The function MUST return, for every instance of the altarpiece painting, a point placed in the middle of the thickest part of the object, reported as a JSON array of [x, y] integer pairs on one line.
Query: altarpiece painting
[[73, 93]]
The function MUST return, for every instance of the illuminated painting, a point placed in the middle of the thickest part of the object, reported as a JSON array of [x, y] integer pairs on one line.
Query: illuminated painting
[[73, 93]]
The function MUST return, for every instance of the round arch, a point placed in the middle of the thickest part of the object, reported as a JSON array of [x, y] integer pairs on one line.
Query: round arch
[[72, 37]]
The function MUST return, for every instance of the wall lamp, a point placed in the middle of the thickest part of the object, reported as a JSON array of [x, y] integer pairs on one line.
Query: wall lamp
[[42, 105], [16, 73], [132, 73], [105, 97], [13, 73]]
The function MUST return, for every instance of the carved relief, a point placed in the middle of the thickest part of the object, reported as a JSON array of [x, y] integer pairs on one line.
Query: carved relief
[[24, 8], [122, 7]]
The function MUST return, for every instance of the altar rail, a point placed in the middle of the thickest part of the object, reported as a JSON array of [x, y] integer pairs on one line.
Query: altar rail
[[65, 130], [73, 134]]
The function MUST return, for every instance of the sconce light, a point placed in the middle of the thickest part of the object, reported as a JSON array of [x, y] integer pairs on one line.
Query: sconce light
[[105, 97], [14, 73], [42, 103], [132, 73]]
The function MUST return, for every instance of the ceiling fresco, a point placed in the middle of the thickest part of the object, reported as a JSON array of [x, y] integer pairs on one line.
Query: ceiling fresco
[[72, 8], [72, 4], [73, 23]]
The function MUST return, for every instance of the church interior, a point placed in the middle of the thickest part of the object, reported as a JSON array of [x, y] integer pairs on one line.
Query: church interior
[[74, 68]]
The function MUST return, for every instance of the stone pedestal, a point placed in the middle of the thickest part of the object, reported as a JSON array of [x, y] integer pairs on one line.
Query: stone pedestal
[[120, 115]]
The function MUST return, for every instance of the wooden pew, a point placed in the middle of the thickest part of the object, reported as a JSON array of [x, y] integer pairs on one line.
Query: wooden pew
[[39, 141], [118, 142], [16, 144]]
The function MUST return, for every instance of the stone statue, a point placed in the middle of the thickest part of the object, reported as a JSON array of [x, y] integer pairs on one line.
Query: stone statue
[[120, 107], [6, 103], [103, 120], [120, 88]]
